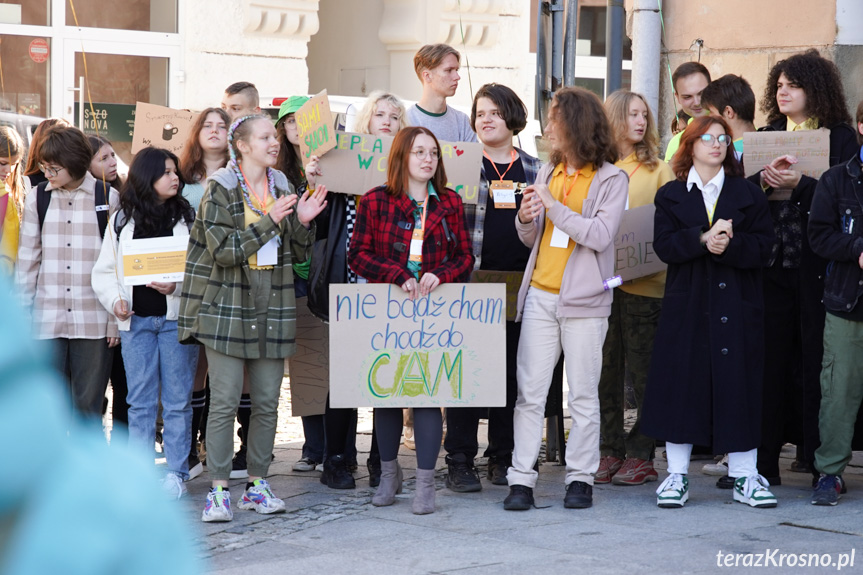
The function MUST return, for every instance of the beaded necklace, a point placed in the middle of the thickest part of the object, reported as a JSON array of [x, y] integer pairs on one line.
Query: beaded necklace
[[241, 177]]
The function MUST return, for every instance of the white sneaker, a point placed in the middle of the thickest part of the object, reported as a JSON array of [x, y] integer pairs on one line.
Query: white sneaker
[[260, 498], [673, 492], [173, 486], [218, 506], [304, 464], [753, 491], [718, 468], [408, 432]]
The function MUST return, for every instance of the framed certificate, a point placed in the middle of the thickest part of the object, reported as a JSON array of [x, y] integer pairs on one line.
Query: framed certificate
[[154, 260]]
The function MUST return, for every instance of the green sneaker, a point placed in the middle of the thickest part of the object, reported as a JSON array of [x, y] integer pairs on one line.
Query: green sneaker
[[753, 491], [673, 492]]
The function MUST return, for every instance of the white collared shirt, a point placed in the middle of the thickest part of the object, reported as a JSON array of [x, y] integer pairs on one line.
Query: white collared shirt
[[709, 191]]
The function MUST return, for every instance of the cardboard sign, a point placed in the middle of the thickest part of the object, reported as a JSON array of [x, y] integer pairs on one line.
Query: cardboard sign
[[810, 147], [308, 367], [633, 245], [512, 280], [154, 260], [442, 350], [161, 127], [358, 163], [315, 127]]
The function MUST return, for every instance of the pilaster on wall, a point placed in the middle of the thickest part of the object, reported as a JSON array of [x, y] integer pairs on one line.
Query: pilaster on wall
[[407, 25], [297, 19]]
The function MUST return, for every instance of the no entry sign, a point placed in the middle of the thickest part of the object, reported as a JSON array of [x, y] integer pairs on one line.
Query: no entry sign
[[39, 51]]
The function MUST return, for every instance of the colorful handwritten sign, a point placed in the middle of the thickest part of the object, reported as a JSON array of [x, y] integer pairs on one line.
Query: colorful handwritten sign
[[810, 147], [513, 284], [442, 350], [633, 245], [315, 127], [358, 163], [161, 127]]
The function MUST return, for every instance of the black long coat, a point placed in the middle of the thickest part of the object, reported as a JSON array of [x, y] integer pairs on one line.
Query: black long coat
[[704, 385]]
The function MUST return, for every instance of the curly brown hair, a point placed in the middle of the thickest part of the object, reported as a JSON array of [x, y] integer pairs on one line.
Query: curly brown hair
[[820, 80], [580, 122]]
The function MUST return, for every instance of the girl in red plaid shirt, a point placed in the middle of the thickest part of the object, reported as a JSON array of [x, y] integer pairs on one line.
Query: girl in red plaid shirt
[[411, 232]]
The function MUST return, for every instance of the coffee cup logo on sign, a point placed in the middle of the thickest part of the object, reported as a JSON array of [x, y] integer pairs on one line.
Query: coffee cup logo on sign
[[169, 131]]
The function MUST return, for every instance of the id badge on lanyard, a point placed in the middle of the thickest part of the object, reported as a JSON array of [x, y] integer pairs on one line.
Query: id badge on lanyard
[[503, 192], [415, 254]]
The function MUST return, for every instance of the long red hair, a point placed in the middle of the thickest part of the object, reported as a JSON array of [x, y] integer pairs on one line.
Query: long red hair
[[682, 160]]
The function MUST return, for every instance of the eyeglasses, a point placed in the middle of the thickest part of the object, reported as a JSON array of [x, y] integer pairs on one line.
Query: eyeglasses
[[49, 171], [708, 139], [422, 154]]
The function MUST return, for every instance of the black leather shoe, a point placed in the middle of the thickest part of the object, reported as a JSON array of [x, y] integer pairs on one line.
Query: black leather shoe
[[336, 474], [373, 464], [725, 482], [461, 476], [497, 468], [520, 498], [579, 495]]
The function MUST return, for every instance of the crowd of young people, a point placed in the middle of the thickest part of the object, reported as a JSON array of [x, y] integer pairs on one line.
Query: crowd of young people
[[730, 352]]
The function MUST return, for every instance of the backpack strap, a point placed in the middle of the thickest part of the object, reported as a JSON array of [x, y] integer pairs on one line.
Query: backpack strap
[[43, 200], [102, 206], [120, 221]]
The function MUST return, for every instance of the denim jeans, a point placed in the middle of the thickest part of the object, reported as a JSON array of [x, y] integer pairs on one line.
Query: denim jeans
[[315, 443], [156, 362]]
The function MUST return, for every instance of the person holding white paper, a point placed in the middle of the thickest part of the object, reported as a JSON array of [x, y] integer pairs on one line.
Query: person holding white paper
[[569, 218], [238, 302], [151, 206]]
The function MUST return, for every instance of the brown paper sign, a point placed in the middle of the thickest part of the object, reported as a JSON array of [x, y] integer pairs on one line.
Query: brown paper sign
[[358, 163], [512, 281], [161, 127], [309, 366], [442, 350], [315, 127], [810, 147], [633, 245]]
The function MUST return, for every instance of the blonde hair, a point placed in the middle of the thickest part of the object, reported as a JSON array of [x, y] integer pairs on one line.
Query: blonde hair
[[617, 109], [370, 107]]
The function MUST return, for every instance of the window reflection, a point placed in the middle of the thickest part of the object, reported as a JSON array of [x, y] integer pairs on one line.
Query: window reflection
[[143, 15]]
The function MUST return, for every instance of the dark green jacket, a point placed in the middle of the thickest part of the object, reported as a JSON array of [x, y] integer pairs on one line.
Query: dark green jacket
[[216, 306]]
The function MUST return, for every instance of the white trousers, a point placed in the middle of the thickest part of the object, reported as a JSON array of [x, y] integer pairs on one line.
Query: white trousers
[[740, 464], [543, 336]]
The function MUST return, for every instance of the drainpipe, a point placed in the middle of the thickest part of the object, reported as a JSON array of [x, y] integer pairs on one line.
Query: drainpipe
[[646, 34], [613, 46]]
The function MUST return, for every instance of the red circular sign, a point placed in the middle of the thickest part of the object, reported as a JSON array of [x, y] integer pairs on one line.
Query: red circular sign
[[39, 51]]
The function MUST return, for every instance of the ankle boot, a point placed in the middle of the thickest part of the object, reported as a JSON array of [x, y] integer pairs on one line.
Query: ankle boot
[[391, 484], [425, 492]]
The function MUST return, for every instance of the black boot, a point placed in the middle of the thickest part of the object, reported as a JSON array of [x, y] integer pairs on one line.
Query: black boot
[[374, 466], [336, 474]]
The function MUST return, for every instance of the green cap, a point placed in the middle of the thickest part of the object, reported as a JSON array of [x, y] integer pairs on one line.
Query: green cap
[[291, 105]]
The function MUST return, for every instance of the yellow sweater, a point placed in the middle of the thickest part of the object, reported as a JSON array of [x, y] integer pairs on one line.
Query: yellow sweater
[[8, 235], [643, 184]]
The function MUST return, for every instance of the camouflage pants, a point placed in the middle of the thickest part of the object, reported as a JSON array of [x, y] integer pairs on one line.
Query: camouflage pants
[[629, 343]]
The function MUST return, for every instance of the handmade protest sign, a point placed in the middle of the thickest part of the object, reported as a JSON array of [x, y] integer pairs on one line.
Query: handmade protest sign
[[442, 350], [315, 127], [308, 367], [512, 281], [154, 260], [358, 163], [633, 245], [810, 147], [161, 127]]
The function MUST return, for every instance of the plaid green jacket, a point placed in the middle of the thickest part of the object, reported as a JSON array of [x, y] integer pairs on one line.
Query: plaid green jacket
[[216, 306]]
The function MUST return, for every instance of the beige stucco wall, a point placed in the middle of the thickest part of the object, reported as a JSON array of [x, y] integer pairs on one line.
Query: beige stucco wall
[[748, 37], [350, 43], [218, 51]]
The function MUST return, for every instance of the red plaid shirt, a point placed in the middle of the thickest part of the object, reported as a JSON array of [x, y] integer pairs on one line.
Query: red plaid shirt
[[382, 237]]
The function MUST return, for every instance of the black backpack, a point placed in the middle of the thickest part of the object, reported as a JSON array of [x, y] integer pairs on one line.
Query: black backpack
[[43, 200]]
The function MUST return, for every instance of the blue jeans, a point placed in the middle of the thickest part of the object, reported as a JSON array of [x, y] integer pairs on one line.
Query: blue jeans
[[156, 361]]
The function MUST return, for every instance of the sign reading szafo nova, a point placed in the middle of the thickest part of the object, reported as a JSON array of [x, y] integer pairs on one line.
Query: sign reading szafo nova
[[443, 350]]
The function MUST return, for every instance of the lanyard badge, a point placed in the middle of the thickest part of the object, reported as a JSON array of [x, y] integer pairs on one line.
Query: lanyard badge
[[503, 192]]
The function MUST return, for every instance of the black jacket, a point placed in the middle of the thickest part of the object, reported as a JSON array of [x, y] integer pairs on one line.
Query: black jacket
[[330, 254], [836, 233]]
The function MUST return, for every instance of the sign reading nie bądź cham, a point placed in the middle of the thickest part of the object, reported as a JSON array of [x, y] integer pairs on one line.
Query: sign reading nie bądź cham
[[358, 163], [442, 350]]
